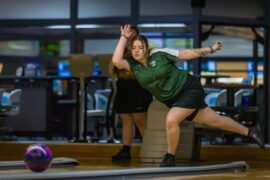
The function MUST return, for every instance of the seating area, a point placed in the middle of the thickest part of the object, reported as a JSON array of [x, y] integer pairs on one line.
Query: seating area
[[97, 125], [100, 112], [97, 121], [55, 115], [100, 122], [10, 106]]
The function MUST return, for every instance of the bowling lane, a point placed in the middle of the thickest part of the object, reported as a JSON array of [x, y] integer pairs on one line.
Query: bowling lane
[[118, 172]]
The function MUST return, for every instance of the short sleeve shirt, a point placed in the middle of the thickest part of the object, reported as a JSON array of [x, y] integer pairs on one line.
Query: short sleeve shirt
[[161, 76]]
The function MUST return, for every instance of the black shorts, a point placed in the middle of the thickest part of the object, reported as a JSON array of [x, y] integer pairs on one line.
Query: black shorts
[[191, 96], [131, 97]]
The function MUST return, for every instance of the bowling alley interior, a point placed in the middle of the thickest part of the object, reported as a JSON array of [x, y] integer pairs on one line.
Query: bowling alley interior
[[60, 96]]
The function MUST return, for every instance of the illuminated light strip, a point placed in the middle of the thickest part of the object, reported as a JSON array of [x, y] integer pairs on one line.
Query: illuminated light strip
[[93, 26], [158, 25]]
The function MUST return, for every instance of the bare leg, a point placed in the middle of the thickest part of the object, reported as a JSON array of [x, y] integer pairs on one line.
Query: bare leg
[[210, 118], [140, 121], [127, 129], [124, 155], [174, 117]]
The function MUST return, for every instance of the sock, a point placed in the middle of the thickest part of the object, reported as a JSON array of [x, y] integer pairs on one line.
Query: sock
[[250, 131], [170, 155], [126, 148]]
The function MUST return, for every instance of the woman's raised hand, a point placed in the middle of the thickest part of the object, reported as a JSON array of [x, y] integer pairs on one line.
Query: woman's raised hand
[[126, 31], [217, 46]]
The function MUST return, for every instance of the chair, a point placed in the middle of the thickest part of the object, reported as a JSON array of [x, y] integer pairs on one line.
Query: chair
[[216, 98], [81, 67], [238, 96], [101, 109], [10, 107], [220, 98], [243, 92], [97, 106]]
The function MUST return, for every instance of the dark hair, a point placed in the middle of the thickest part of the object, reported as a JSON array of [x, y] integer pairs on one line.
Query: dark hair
[[135, 28], [123, 74]]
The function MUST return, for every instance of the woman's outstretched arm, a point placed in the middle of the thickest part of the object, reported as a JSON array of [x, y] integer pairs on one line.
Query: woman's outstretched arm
[[117, 58], [189, 54]]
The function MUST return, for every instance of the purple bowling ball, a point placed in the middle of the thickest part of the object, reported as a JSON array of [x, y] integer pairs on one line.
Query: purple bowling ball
[[37, 157]]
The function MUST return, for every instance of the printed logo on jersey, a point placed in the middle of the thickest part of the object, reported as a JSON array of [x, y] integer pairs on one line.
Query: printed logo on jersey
[[153, 63]]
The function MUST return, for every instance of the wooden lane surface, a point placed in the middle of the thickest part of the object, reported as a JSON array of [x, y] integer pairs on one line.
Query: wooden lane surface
[[101, 153], [257, 170], [98, 156]]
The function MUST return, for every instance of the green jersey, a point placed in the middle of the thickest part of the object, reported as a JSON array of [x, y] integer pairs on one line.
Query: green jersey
[[161, 77]]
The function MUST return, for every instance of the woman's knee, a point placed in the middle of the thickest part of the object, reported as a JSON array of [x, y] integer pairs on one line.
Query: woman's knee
[[208, 117], [127, 122], [171, 123], [126, 117]]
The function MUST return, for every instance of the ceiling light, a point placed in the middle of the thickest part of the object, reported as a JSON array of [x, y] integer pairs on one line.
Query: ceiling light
[[59, 27], [164, 25]]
